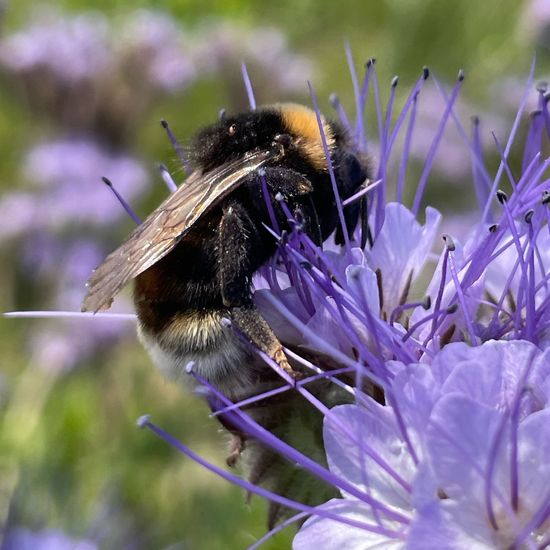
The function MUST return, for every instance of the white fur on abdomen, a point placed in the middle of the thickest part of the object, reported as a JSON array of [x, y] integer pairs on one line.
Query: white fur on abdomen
[[218, 355]]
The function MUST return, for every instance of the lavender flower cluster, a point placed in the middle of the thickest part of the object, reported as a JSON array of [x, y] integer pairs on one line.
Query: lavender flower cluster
[[455, 452]]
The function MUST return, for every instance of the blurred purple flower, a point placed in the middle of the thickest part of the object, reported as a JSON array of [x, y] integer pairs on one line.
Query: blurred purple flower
[[155, 40], [62, 348], [66, 176], [18, 214], [71, 49], [81, 47], [94, 84], [452, 159], [47, 539], [507, 93], [275, 69], [535, 21], [87, 74]]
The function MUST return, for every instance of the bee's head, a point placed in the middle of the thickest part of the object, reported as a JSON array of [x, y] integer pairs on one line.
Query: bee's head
[[233, 136]]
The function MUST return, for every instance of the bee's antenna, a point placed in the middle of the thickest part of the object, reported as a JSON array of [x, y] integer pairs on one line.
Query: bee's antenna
[[121, 200], [167, 177]]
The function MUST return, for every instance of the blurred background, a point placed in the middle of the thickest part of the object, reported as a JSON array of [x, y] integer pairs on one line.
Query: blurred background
[[83, 87]]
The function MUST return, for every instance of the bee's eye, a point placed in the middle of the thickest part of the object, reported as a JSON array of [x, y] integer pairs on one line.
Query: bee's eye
[[232, 129]]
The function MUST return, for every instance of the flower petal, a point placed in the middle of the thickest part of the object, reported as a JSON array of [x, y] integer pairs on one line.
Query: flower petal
[[459, 439], [320, 532], [401, 249], [364, 447]]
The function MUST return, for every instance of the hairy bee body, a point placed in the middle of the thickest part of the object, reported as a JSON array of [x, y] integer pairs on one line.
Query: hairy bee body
[[180, 311], [205, 273], [193, 259]]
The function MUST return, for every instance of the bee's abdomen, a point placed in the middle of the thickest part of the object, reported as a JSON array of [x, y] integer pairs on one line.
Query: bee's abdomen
[[217, 354]]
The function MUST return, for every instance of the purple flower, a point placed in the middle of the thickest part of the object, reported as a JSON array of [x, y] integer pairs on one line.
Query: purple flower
[[154, 40], [377, 279], [48, 539], [83, 70], [384, 472], [494, 498], [275, 69], [62, 348], [67, 198], [71, 49], [535, 21], [18, 214], [67, 175], [472, 467], [400, 252], [439, 341]]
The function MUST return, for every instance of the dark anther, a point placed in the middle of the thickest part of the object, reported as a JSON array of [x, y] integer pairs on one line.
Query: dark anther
[[452, 309], [427, 302], [305, 265], [461, 75], [370, 62], [284, 236], [447, 335], [542, 86], [475, 120], [425, 72], [545, 197], [221, 114], [502, 196], [107, 181], [535, 113], [493, 228], [529, 215], [450, 244], [394, 81]]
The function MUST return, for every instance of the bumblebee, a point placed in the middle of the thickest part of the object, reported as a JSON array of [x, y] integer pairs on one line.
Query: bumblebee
[[194, 257]]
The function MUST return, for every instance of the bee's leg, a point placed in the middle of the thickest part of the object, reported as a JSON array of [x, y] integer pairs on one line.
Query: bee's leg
[[238, 437], [251, 323], [237, 244], [295, 189], [236, 447]]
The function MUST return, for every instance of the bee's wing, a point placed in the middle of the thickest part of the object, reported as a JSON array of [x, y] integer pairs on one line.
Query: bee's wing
[[162, 230]]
